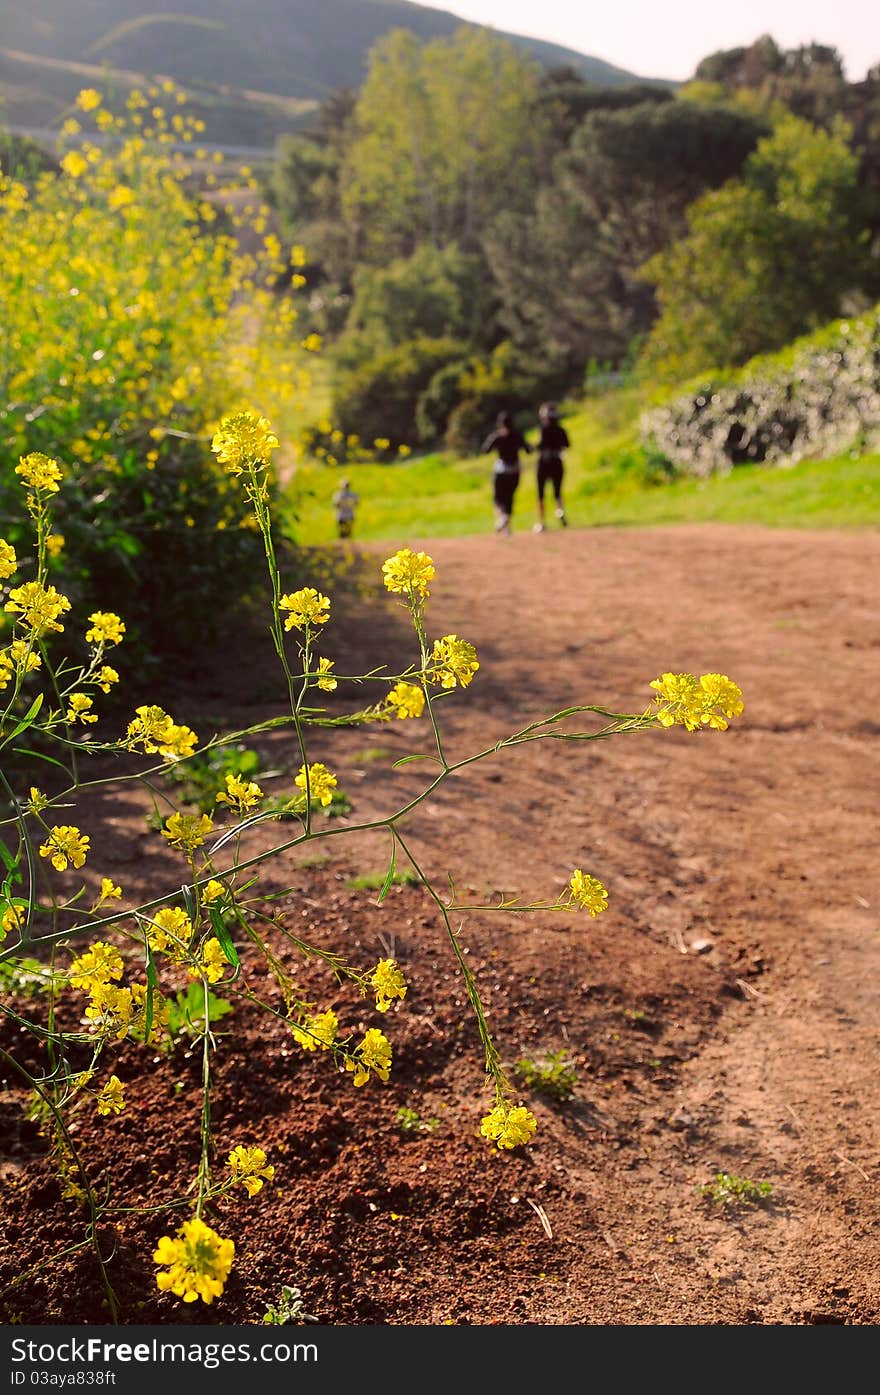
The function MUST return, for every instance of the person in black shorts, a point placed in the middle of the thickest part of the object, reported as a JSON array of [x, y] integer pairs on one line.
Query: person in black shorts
[[553, 442], [507, 443]]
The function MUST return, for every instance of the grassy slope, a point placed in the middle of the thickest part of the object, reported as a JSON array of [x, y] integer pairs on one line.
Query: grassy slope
[[438, 495]]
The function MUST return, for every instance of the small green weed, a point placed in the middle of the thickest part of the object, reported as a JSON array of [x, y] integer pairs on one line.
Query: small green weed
[[554, 1076], [729, 1190], [410, 1121], [288, 1310], [186, 1011], [27, 977], [372, 881]]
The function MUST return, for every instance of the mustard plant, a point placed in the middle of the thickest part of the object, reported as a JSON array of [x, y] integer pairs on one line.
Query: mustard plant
[[138, 973]]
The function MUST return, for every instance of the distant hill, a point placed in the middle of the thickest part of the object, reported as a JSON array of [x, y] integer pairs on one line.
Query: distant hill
[[236, 57]]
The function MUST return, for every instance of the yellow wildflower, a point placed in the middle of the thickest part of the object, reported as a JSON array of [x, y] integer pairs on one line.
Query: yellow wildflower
[[373, 1054], [88, 99], [98, 964], [8, 559], [320, 782], [388, 983], [212, 891], [79, 709], [248, 1166], [110, 1098], [107, 676], [316, 1031], [406, 700], [694, 702], [452, 661], [39, 472], [213, 963], [187, 831], [243, 440], [509, 1125], [55, 544], [588, 892], [171, 928], [408, 573], [12, 919], [306, 606], [39, 607], [106, 628], [64, 845], [108, 892], [326, 682], [240, 795], [196, 1262]]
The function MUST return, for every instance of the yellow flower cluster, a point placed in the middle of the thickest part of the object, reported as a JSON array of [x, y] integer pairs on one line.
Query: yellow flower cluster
[[243, 441], [65, 846], [155, 732], [453, 661], [195, 1263], [8, 559], [187, 831], [710, 700], [240, 795], [587, 892], [106, 628], [318, 781], [508, 1125], [373, 1055], [39, 607], [388, 983], [403, 701], [306, 607], [38, 472], [407, 573], [317, 1031], [111, 1097], [248, 1166]]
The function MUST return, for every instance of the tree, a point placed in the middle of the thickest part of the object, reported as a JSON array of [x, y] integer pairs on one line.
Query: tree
[[568, 274], [438, 292], [445, 134], [766, 257]]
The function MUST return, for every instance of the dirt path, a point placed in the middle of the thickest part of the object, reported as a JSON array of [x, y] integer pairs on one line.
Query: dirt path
[[722, 1014]]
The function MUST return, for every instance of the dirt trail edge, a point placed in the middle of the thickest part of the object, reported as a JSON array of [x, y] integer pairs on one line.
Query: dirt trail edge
[[721, 1015]]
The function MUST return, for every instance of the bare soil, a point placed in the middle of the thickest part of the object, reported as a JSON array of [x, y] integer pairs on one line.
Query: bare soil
[[721, 1016]]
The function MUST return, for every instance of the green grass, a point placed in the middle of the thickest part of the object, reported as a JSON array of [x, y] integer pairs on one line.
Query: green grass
[[606, 484]]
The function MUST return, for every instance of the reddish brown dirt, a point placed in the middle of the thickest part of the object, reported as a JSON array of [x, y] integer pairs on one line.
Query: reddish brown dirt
[[721, 1015]]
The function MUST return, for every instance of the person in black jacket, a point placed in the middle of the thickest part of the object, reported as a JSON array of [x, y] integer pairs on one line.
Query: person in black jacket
[[507, 443], [553, 442]]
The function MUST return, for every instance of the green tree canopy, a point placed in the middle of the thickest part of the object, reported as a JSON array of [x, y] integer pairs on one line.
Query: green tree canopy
[[766, 258], [445, 135], [568, 274]]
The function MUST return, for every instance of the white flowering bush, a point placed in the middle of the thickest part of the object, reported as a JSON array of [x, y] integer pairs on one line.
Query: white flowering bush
[[817, 398]]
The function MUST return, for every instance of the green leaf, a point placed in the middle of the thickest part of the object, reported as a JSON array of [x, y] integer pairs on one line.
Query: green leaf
[[152, 987], [10, 862], [386, 885], [40, 755], [221, 930], [28, 717], [405, 760]]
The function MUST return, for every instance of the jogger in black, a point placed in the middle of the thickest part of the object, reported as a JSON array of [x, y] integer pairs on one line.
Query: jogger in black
[[507, 443], [554, 440]]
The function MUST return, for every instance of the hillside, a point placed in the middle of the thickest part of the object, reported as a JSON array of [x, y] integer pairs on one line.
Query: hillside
[[235, 58]]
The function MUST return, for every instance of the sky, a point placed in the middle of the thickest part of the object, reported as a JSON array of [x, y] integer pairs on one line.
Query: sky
[[667, 38]]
